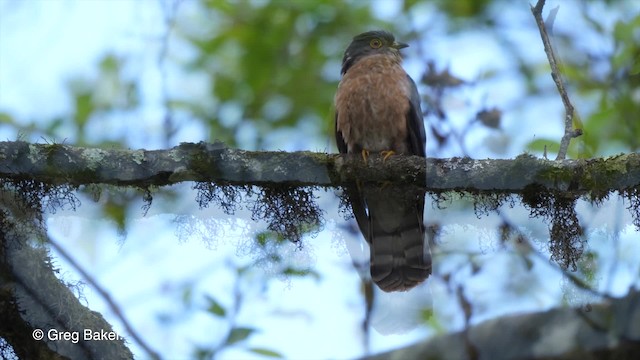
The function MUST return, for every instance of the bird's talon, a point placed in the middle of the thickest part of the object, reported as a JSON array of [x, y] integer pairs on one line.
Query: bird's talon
[[386, 154], [365, 155]]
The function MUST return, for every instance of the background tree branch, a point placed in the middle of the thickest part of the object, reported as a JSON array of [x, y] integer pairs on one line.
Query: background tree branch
[[610, 330], [36, 305]]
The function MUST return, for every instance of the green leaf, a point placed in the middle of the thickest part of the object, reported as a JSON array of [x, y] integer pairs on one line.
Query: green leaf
[[289, 271], [539, 145], [432, 321], [215, 308], [110, 63], [266, 352], [6, 118], [116, 211], [204, 353], [238, 334]]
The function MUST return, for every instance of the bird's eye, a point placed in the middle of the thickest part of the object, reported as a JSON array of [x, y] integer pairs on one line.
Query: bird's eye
[[375, 43]]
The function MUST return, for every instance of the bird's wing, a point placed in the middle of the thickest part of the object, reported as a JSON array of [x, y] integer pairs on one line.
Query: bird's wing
[[342, 146], [415, 125]]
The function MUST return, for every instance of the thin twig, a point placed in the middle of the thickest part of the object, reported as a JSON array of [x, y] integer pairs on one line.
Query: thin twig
[[170, 15], [569, 131], [105, 295]]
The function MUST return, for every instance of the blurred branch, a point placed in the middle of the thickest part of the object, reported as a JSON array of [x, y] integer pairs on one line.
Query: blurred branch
[[204, 162], [587, 334], [106, 297], [569, 131], [35, 303], [169, 11]]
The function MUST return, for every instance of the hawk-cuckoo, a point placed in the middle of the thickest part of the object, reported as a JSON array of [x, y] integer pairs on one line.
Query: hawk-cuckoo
[[378, 110]]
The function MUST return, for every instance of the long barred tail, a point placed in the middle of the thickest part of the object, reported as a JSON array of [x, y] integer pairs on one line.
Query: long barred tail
[[400, 261], [391, 220]]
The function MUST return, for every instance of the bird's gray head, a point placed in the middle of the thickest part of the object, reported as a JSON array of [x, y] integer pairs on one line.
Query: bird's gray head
[[369, 43]]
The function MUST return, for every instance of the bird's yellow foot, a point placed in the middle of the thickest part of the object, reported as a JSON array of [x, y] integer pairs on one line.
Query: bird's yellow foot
[[386, 153], [365, 155]]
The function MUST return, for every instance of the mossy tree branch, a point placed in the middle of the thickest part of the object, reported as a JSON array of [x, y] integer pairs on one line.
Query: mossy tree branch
[[35, 302], [64, 164]]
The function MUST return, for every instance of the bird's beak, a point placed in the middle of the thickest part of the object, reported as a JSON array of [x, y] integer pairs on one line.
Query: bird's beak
[[399, 45]]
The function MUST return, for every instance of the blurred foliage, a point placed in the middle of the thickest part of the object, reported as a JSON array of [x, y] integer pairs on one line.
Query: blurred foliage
[[274, 64], [237, 336], [109, 92], [94, 98], [465, 10], [616, 119], [271, 65]]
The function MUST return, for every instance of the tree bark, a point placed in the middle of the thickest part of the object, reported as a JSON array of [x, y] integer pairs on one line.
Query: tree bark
[[38, 310], [64, 164]]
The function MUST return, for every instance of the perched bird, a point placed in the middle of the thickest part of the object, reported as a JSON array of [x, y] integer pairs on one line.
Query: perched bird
[[378, 111]]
